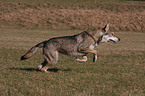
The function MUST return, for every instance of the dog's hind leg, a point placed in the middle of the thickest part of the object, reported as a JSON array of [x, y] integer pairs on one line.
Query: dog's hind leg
[[51, 58], [42, 65], [47, 66]]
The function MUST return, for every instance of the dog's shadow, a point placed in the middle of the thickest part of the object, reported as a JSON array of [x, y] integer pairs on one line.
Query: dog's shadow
[[34, 69]]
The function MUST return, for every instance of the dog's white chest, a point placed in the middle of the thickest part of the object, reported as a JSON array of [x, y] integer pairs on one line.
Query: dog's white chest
[[91, 47]]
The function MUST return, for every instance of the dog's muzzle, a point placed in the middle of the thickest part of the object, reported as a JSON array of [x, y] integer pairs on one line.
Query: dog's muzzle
[[114, 41]]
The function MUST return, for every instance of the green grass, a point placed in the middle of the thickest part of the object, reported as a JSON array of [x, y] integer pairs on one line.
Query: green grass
[[119, 70]]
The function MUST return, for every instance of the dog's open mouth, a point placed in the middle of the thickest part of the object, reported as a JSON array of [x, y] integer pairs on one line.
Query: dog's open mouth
[[112, 41]]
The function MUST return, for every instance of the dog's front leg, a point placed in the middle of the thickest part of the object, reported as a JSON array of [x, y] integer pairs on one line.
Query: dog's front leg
[[90, 51], [82, 60], [95, 57]]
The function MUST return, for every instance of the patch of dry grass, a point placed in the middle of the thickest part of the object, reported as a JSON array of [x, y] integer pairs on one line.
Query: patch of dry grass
[[119, 70], [123, 16]]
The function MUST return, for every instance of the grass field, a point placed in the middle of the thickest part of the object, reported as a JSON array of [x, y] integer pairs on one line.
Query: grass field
[[123, 15], [119, 71]]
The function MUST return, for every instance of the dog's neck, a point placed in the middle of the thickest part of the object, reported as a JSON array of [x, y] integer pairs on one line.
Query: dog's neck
[[96, 36], [91, 35], [99, 40]]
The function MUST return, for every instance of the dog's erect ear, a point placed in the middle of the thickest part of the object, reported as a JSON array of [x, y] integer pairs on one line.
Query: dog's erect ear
[[106, 28]]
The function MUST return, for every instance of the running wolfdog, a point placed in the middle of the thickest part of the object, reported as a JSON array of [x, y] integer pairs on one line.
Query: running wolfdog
[[76, 45]]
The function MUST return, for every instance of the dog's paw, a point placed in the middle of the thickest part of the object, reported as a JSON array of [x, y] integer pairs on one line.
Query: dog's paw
[[39, 67], [82, 60], [23, 58]]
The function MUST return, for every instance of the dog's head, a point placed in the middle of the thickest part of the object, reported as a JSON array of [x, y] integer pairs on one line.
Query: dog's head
[[108, 36]]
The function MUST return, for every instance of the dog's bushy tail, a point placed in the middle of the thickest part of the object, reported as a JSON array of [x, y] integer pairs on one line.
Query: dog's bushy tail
[[32, 51]]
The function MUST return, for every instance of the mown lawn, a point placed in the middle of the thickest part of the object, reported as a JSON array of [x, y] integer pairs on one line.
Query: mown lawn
[[119, 71]]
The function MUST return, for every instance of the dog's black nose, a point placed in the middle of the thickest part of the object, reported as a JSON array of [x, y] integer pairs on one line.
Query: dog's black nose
[[118, 39]]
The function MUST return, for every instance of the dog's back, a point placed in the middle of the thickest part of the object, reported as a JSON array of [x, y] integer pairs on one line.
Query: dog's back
[[67, 45]]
